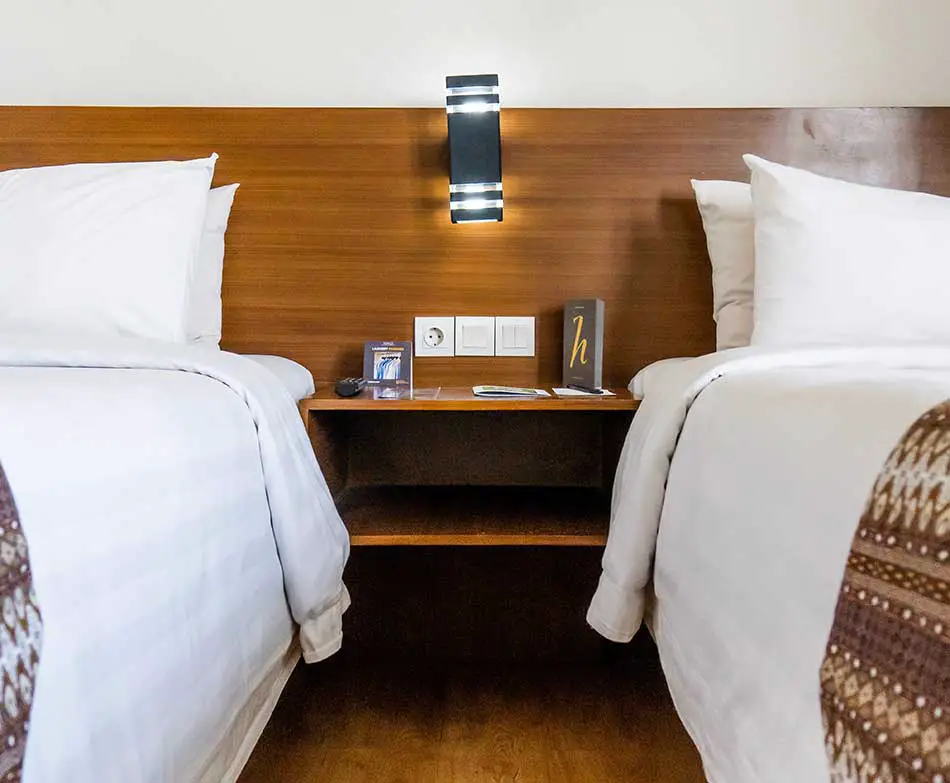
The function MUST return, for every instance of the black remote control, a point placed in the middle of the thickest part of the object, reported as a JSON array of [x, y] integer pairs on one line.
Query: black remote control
[[349, 387]]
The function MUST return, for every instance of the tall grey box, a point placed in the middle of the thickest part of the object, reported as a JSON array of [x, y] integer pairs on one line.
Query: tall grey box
[[584, 342]]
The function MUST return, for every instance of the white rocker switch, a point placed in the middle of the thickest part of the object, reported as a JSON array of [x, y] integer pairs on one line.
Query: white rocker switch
[[474, 336], [514, 336]]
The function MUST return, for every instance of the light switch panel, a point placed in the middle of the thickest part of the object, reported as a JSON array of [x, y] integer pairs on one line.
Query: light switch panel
[[474, 335], [514, 336]]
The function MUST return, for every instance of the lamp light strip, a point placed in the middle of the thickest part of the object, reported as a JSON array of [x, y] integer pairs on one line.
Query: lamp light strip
[[475, 187], [477, 107], [478, 220], [474, 89], [477, 203]]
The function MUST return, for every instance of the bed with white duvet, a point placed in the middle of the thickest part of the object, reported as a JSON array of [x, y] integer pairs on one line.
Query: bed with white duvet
[[737, 501], [737, 496], [183, 544], [184, 549]]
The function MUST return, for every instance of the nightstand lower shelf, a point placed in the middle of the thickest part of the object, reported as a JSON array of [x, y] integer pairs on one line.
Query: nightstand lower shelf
[[475, 515]]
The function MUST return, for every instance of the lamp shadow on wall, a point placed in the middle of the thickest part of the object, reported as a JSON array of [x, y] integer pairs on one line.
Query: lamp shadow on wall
[[430, 164]]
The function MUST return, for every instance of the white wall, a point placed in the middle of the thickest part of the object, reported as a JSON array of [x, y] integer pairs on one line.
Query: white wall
[[547, 52]]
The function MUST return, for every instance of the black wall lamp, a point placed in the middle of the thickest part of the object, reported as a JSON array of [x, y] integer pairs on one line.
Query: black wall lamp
[[473, 108]]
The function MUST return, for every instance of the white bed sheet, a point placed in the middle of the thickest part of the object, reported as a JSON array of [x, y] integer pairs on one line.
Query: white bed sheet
[[177, 520], [745, 474]]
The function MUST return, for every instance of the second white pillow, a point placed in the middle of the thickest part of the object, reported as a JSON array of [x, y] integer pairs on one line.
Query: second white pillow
[[204, 300], [726, 210]]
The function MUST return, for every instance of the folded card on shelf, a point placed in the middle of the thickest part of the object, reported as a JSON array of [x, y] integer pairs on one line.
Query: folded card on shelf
[[388, 364]]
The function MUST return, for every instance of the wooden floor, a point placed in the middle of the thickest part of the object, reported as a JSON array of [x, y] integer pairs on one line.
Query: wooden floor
[[349, 721]]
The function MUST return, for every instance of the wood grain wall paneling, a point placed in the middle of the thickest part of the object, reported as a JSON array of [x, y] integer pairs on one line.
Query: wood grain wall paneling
[[340, 232]]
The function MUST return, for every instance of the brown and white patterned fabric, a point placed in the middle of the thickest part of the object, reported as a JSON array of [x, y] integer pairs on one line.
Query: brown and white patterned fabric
[[885, 678], [20, 637]]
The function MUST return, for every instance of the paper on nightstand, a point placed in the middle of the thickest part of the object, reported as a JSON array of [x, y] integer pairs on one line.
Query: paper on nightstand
[[560, 392], [512, 392]]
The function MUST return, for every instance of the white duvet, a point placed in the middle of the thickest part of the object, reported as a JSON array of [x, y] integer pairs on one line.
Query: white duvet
[[738, 492], [177, 520]]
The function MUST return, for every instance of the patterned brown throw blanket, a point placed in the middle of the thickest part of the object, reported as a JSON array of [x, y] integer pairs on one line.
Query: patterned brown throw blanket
[[20, 636], [885, 679]]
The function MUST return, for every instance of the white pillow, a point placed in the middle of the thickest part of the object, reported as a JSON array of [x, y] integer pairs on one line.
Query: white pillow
[[204, 305], [101, 249], [844, 264], [726, 209]]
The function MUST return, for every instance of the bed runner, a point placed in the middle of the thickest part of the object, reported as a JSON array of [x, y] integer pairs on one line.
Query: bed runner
[[20, 637], [885, 678]]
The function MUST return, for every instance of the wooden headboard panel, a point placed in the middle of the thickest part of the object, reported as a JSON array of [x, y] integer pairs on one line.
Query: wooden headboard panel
[[340, 232]]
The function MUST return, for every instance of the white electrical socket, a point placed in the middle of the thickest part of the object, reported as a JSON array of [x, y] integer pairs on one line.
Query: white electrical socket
[[435, 336]]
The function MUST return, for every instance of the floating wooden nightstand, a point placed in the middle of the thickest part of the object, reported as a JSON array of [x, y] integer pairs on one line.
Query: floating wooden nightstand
[[465, 470]]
